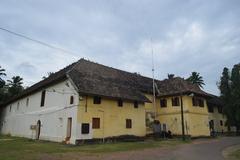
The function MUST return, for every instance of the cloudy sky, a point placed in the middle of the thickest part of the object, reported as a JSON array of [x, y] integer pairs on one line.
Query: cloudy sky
[[187, 35]]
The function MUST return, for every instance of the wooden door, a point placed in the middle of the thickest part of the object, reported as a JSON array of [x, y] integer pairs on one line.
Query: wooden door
[[38, 129], [69, 128]]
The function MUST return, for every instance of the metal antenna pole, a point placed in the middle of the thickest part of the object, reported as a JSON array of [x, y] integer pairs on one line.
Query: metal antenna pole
[[154, 94]]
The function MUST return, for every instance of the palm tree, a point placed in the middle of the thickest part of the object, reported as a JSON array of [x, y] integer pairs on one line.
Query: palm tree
[[2, 73], [16, 81], [170, 76], [195, 78], [48, 75], [15, 85]]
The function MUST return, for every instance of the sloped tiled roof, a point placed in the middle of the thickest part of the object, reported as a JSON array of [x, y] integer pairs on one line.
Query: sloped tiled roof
[[52, 79], [215, 101], [175, 86], [95, 79]]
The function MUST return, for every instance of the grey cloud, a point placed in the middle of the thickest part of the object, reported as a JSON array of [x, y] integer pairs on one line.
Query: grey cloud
[[190, 35]]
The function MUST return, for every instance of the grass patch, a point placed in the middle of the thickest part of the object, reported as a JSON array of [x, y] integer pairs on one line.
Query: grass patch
[[232, 152], [235, 154], [15, 148]]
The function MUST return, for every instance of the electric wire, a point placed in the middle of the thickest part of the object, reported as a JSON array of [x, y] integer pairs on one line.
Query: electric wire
[[37, 41]]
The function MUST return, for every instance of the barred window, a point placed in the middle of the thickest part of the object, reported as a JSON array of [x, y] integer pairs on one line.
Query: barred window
[[96, 100], [128, 123], [85, 128], [220, 109], [175, 101], [210, 109], [201, 102], [120, 103], [163, 103], [135, 104], [195, 101]]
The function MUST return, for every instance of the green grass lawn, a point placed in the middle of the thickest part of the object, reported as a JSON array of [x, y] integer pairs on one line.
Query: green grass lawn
[[14, 148], [232, 152], [235, 155]]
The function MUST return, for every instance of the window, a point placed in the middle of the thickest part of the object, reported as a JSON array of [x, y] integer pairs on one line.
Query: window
[[211, 125], [43, 98], [18, 104], [27, 102], [210, 109], [71, 100], [128, 123], [221, 123], [96, 100], [200, 102], [195, 101], [85, 128], [220, 109], [135, 104], [163, 103], [96, 123], [10, 108], [120, 103], [175, 101], [164, 125]]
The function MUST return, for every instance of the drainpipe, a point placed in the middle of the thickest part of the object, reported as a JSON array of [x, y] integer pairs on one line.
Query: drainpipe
[[182, 119]]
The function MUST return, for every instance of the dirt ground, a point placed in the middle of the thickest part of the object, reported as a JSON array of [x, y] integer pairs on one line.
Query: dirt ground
[[198, 150]]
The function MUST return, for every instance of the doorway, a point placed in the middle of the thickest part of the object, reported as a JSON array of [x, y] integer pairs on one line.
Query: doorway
[[38, 129], [69, 128]]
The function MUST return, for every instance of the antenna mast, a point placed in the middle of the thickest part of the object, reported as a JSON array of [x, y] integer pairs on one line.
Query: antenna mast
[[153, 83]]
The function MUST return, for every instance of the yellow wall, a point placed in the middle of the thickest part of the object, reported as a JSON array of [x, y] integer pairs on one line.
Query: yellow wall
[[195, 118], [216, 117], [114, 117]]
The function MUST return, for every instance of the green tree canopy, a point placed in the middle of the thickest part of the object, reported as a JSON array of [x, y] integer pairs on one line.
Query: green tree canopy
[[230, 95], [2, 73], [15, 85], [195, 78]]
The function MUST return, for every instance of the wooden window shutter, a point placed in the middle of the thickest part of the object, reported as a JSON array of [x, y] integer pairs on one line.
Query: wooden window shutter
[[95, 123], [128, 123]]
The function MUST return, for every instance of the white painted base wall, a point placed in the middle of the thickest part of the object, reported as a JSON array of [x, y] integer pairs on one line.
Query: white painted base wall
[[53, 125], [54, 115]]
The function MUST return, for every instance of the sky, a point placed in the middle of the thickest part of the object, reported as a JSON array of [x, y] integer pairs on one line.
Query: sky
[[185, 36]]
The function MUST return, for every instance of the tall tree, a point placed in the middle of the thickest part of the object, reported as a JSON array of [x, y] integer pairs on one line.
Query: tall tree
[[235, 90], [170, 76], [230, 95], [225, 95], [195, 78], [15, 85]]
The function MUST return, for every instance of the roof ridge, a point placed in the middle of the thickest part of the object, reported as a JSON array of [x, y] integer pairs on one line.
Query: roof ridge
[[120, 70]]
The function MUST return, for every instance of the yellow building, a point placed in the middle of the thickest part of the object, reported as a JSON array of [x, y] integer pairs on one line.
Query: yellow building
[[108, 119], [87, 100], [217, 120], [168, 108], [112, 117]]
